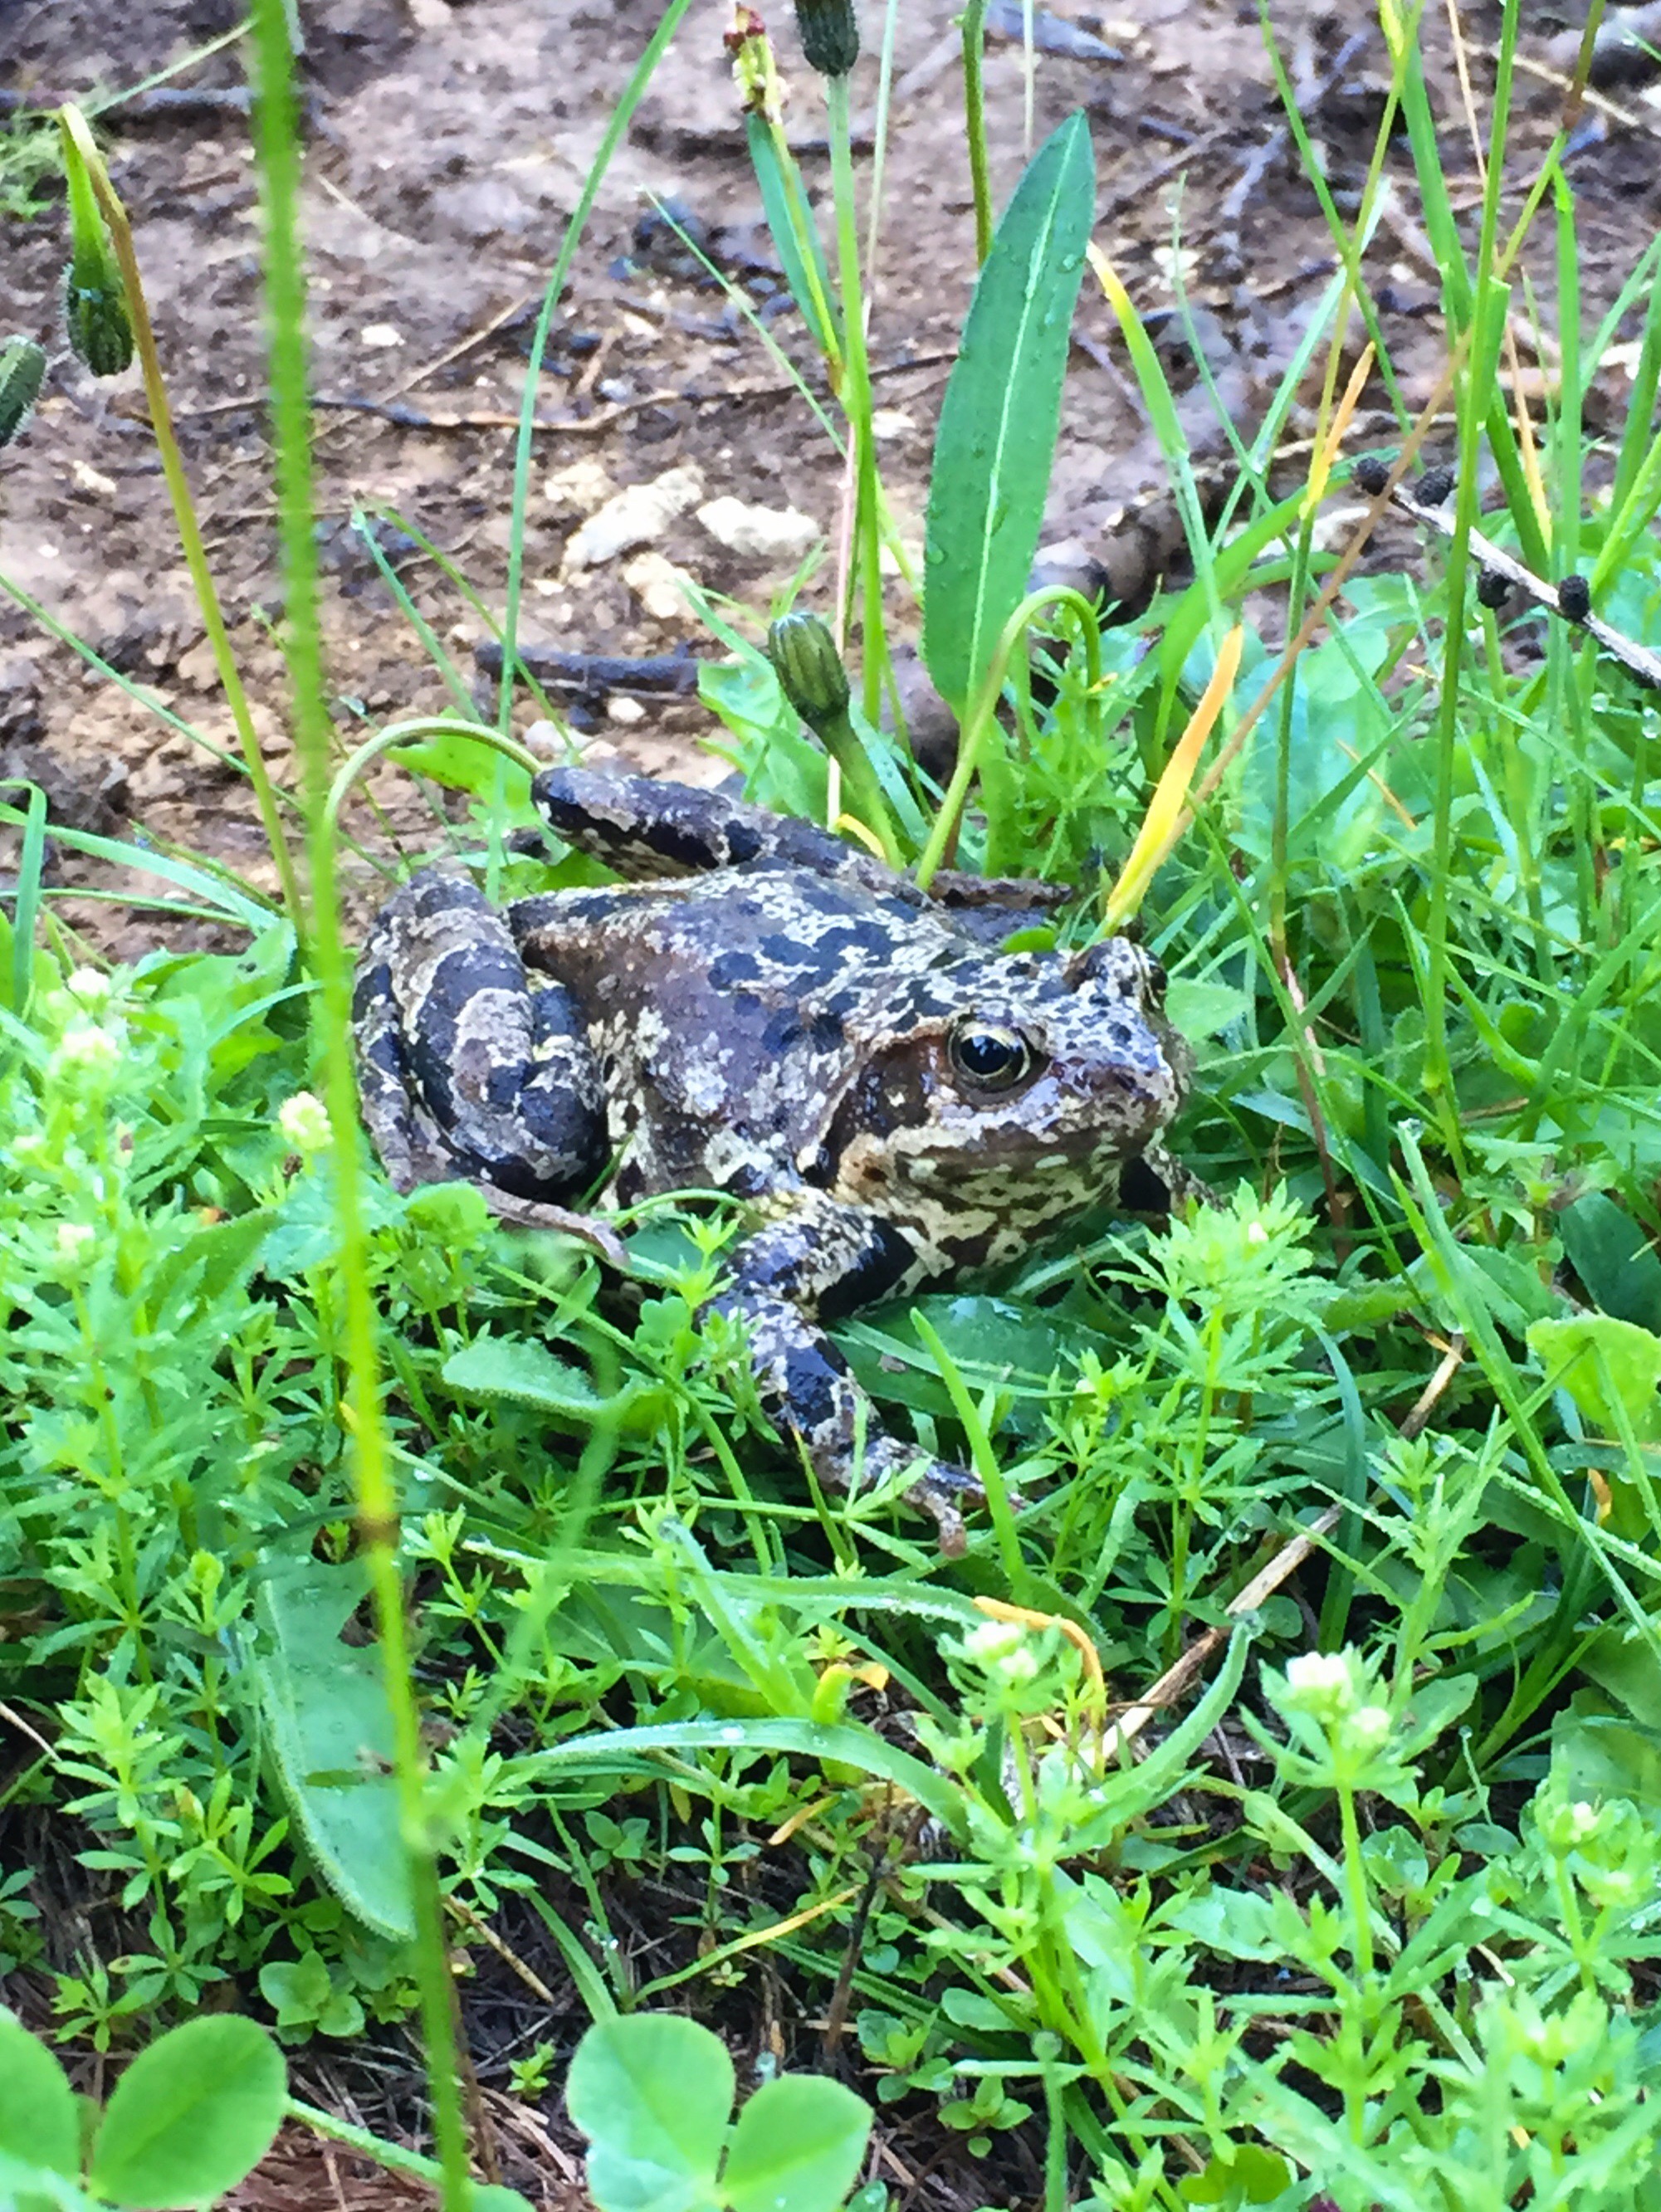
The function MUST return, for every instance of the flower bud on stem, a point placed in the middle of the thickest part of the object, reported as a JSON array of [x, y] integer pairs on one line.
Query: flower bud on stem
[[829, 35], [95, 319], [813, 678]]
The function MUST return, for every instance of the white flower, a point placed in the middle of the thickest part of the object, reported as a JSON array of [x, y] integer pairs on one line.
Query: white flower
[[993, 1641], [1001, 1648], [86, 1047], [1367, 1730], [73, 1238], [1320, 1683], [91, 985], [304, 1124]]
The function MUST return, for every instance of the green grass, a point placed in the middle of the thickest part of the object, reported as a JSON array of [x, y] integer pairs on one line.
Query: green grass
[[1362, 1913]]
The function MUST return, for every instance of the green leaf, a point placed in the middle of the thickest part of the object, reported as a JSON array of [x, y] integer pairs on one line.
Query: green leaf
[[1603, 1362], [997, 1344], [26, 2187], [1599, 1755], [528, 1374], [802, 257], [998, 422], [632, 1750], [39, 2120], [653, 2093], [192, 2116], [1435, 1704], [797, 2147], [1614, 1258], [1245, 2176], [460, 763], [1206, 1009], [331, 1734]]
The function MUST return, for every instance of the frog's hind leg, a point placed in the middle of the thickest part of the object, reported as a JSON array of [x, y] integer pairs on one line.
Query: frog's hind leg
[[466, 1070], [647, 830]]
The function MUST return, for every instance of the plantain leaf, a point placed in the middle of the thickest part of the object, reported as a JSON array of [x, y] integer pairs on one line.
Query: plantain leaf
[[998, 423], [330, 1730]]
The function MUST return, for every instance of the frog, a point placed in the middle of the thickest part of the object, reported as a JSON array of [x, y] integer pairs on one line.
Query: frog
[[761, 1008]]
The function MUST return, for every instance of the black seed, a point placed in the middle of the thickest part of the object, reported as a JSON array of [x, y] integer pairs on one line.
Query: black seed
[[1493, 589], [1574, 598]]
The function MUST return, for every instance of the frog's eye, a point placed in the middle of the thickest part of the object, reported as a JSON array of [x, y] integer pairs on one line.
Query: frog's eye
[[989, 1058]]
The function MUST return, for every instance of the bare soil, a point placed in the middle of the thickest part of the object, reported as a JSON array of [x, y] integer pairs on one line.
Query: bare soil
[[447, 141]]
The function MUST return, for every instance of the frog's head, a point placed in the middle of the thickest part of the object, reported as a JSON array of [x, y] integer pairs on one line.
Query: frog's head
[[1000, 1096]]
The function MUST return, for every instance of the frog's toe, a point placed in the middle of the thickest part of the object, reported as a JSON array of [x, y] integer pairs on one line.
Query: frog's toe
[[941, 1490]]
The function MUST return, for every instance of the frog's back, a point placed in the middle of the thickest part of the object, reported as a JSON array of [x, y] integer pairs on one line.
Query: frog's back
[[725, 1011]]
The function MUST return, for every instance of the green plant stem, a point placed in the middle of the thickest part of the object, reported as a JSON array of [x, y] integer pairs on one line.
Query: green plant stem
[[616, 131], [374, 1494], [987, 1469], [1355, 1886], [393, 2156], [980, 726], [857, 406], [1520, 781], [974, 118], [74, 127], [861, 792], [407, 733], [1487, 322]]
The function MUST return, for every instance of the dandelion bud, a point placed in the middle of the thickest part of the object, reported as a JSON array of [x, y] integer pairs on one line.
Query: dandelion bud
[[829, 35], [22, 366], [94, 306], [809, 668], [95, 319]]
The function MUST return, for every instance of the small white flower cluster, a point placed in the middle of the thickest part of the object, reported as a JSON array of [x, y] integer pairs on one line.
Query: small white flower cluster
[[1003, 1649], [91, 1034], [303, 1123], [1331, 1687]]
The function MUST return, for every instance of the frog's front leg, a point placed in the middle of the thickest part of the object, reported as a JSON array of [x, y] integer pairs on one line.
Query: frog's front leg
[[467, 1068], [821, 1263]]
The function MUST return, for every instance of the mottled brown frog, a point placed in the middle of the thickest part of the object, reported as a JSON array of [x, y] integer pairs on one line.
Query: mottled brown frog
[[763, 1009]]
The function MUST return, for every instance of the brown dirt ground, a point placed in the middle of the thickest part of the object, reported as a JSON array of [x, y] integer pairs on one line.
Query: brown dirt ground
[[448, 143]]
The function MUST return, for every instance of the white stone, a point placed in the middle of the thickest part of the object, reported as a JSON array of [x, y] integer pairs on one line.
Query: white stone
[[622, 709], [890, 422], [579, 488], [659, 586], [764, 533], [380, 337], [634, 516]]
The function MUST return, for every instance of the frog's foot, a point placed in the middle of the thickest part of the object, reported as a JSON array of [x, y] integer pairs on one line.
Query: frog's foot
[[464, 1070], [808, 1390], [936, 1487]]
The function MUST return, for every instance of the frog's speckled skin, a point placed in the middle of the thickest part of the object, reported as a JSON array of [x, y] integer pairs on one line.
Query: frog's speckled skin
[[765, 1011]]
